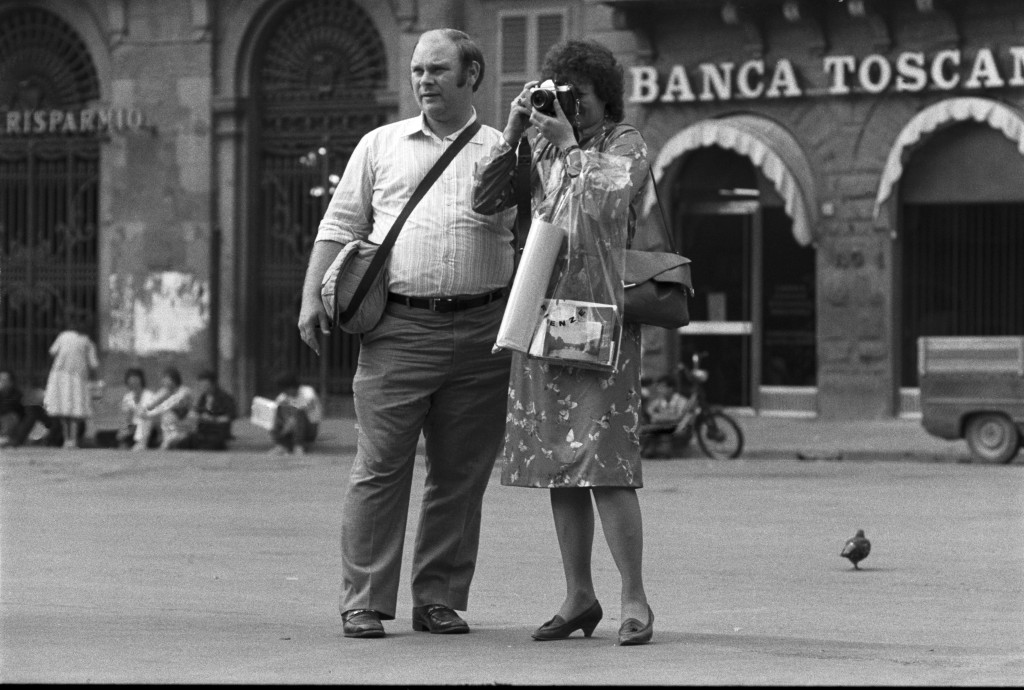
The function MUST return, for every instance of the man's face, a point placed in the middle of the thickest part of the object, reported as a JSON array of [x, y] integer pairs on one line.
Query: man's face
[[6, 381], [443, 89]]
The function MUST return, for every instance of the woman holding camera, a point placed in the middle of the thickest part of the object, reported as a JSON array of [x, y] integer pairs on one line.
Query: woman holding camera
[[571, 430]]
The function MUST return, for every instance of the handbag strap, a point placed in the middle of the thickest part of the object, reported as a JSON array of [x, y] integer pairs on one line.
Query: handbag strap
[[385, 247], [522, 226], [666, 235]]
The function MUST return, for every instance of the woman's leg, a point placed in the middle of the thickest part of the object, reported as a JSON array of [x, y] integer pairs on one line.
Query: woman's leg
[[574, 525], [67, 428], [622, 523]]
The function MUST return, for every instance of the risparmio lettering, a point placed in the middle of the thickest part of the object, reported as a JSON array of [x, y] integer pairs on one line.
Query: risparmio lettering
[[69, 122], [908, 72]]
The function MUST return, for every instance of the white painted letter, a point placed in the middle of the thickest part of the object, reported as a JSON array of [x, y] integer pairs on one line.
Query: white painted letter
[[85, 120], [70, 124], [1018, 66], [678, 87], [911, 74], [984, 70], [13, 121], [135, 119], [717, 77], [56, 117], [838, 66], [645, 84], [784, 81], [884, 74], [939, 77], [743, 85]]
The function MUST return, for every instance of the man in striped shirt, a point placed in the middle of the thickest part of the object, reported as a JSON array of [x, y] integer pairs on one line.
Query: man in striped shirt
[[427, 366]]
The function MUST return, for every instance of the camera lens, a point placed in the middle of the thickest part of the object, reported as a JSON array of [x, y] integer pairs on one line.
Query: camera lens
[[543, 100]]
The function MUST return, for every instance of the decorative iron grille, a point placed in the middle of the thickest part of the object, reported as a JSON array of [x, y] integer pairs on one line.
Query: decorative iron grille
[[320, 75], [49, 190]]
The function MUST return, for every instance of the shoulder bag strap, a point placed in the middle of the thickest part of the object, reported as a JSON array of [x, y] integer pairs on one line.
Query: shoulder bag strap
[[384, 250]]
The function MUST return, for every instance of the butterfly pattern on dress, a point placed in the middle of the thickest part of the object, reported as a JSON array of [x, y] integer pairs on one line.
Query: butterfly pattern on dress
[[569, 426]]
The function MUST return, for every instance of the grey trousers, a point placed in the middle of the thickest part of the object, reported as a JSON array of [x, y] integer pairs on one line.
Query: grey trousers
[[421, 370]]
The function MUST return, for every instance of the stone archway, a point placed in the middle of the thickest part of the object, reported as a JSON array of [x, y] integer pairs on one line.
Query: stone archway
[[49, 187], [319, 84]]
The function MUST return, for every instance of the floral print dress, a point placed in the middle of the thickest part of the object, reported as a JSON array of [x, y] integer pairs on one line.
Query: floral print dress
[[570, 426]]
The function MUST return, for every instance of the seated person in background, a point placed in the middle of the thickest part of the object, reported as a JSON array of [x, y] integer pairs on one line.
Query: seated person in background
[[136, 427], [212, 414], [12, 411], [645, 398], [666, 403], [171, 406], [298, 415]]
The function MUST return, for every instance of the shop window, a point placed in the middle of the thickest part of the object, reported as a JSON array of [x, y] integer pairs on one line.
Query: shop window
[[524, 39], [788, 321]]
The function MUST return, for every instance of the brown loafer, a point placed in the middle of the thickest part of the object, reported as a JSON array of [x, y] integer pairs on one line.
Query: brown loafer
[[438, 619], [362, 623]]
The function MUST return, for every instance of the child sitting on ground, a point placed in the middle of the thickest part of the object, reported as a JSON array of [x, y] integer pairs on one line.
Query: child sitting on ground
[[136, 428]]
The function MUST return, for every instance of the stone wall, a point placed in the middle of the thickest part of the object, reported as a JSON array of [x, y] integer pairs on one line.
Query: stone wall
[[155, 199]]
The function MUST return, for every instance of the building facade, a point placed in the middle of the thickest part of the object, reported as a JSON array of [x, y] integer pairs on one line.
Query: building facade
[[846, 176]]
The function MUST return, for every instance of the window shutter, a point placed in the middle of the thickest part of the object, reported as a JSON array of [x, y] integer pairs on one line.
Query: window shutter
[[549, 32], [513, 45]]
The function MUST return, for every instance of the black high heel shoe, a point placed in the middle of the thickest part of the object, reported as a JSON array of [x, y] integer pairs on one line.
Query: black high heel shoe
[[631, 632], [558, 628]]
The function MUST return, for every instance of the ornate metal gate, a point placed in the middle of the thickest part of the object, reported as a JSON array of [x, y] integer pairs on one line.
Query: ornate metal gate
[[49, 188], [320, 77]]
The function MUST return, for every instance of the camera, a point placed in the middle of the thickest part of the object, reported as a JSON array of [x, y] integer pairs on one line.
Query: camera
[[542, 98]]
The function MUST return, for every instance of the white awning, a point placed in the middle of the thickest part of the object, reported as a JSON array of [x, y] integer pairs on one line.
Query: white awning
[[993, 113], [770, 147]]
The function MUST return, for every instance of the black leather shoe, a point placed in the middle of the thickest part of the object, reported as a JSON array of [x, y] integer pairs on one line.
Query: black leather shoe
[[558, 628], [362, 623], [438, 619], [633, 632]]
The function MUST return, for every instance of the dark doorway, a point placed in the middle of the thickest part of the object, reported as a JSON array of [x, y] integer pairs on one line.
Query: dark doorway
[[321, 85], [963, 273], [753, 310]]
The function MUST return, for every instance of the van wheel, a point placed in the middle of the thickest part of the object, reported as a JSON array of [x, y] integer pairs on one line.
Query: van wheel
[[992, 438]]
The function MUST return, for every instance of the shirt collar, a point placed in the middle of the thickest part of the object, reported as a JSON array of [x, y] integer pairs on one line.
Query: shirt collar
[[418, 125]]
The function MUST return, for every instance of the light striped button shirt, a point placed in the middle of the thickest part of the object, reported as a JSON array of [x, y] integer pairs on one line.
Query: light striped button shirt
[[445, 248]]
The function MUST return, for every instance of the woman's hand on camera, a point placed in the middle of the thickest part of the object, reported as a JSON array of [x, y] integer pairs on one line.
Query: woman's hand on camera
[[519, 115], [557, 129]]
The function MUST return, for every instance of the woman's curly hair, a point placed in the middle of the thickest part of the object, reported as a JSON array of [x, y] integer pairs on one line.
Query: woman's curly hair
[[574, 60]]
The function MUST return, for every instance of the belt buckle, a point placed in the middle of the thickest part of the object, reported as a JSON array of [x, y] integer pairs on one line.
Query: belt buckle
[[441, 305]]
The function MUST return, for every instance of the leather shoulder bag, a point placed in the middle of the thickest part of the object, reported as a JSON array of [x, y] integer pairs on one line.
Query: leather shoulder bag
[[657, 280], [354, 288]]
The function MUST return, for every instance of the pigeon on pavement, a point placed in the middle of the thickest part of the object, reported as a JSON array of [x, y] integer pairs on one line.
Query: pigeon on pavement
[[857, 548]]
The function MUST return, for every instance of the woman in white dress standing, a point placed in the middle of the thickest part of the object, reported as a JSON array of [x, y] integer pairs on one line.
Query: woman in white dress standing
[[67, 394]]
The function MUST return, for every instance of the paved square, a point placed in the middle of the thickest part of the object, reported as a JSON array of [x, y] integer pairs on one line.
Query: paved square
[[223, 567]]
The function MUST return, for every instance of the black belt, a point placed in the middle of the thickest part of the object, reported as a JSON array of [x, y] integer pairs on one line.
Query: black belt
[[444, 305]]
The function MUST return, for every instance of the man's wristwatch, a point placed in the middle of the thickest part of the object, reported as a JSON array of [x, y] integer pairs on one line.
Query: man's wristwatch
[[573, 160]]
